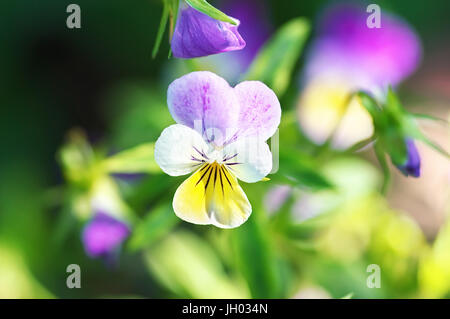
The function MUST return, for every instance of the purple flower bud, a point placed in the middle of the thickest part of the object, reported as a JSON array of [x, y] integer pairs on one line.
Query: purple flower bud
[[412, 165], [103, 234], [197, 35]]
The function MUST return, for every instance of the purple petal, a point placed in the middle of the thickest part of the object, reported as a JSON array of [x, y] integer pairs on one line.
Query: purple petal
[[205, 102], [345, 44], [103, 234], [260, 112], [197, 35], [412, 165]]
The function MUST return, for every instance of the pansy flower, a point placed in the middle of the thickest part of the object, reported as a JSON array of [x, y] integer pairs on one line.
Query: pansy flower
[[376, 56], [347, 56], [197, 35], [220, 137], [103, 235]]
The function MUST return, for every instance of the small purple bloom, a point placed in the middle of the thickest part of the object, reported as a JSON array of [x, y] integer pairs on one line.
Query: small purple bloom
[[345, 44], [197, 35], [346, 56], [412, 165], [241, 120], [103, 234]]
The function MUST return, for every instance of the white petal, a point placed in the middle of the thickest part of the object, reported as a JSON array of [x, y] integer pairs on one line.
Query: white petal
[[250, 159], [176, 148]]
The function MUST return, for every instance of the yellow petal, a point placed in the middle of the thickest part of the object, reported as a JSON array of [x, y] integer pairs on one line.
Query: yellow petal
[[212, 195]]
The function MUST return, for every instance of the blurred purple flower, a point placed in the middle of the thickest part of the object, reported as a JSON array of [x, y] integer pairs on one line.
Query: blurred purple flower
[[412, 165], [103, 234], [276, 197], [256, 29], [197, 35], [345, 44], [347, 56]]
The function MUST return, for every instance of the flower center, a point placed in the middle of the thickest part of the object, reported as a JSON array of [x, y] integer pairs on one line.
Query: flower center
[[215, 169], [215, 173], [200, 158]]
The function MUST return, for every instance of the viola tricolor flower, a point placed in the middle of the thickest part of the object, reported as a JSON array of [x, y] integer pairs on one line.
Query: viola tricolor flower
[[103, 235], [348, 56], [220, 137], [197, 35], [412, 165], [345, 44]]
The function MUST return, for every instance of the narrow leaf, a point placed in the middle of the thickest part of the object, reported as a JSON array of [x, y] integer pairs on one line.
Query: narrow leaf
[[393, 103], [361, 145], [275, 63], [384, 166], [156, 224], [412, 129], [370, 104], [173, 16], [348, 296], [433, 145], [430, 117], [300, 170], [254, 259], [204, 7], [161, 29], [139, 159]]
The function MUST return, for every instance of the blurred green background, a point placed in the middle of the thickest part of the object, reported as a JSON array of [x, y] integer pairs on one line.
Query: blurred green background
[[101, 79]]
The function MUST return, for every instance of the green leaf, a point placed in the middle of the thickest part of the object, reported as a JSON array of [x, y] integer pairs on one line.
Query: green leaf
[[348, 296], [161, 29], [204, 7], [189, 267], [173, 16], [156, 224], [393, 142], [360, 145], [139, 159], [370, 104], [275, 63], [384, 166], [255, 260], [412, 130], [430, 117], [430, 143], [393, 104], [300, 170]]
